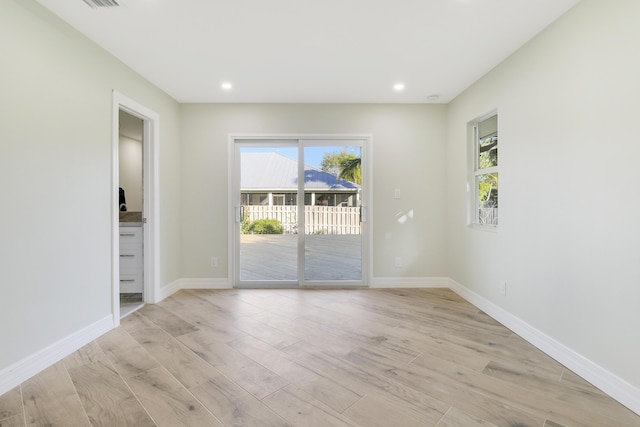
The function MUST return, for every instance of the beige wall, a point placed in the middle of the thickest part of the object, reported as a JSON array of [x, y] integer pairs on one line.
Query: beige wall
[[130, 159], [568, 105], [55, 169], [408, 153]]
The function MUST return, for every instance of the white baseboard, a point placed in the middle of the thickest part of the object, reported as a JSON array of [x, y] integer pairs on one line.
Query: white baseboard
[[376, 282], [24, 369], [614, 386], [167, 290], [215, 283], [175, 286], [410, 282]]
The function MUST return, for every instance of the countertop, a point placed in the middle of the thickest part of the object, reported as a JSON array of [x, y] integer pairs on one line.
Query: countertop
[[130, 219]]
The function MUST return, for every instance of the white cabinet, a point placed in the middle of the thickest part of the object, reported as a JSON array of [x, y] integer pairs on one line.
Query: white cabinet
[[131, 263]]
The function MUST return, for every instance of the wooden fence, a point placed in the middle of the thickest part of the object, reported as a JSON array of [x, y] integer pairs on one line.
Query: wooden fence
[[317, 219]]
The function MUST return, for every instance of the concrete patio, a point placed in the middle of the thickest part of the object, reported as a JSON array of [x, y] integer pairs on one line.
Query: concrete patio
[[274, 257]]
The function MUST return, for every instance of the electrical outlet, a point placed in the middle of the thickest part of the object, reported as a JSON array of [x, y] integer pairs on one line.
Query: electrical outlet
[[214, 262], [396, 193], [503, 288], [398, 262]]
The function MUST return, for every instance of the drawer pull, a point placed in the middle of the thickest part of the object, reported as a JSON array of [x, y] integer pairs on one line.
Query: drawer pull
[[127, 234], [127, 280], [126, 255]]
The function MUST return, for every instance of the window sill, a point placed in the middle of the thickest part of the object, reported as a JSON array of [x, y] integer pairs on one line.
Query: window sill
[[481, 227]]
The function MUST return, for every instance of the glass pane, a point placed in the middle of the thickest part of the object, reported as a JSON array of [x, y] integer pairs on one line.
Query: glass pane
[[487, 190], [488, 143], [488, 152], [333, 240], [268, 235]]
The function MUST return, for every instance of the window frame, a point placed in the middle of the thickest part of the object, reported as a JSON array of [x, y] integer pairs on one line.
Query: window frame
[[475, 171]]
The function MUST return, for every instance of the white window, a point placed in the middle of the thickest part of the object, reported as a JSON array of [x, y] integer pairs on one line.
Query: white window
[[484, 146]]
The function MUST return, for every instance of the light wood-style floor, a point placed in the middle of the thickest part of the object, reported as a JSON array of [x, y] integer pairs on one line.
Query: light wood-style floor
[[310, 358]]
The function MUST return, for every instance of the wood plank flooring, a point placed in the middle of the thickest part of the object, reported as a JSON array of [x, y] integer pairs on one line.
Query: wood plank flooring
[[310, 358]]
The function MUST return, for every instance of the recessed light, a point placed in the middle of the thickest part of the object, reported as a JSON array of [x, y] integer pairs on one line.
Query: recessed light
[[226, 86], [398, 87]]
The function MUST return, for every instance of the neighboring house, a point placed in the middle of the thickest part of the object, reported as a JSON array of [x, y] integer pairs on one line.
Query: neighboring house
[[271, 179]]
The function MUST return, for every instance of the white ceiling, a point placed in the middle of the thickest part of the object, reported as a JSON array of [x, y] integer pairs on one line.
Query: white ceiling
[[312, 51]]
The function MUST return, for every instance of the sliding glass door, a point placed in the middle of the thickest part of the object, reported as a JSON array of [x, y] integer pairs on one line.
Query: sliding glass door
[[332, 229], [267, 231], [299, 206]]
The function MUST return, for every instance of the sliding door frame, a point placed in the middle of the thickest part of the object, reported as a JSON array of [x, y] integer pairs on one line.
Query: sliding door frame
[[233, 204]]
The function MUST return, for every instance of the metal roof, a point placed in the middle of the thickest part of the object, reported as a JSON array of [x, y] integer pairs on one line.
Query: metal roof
[[262, 171]]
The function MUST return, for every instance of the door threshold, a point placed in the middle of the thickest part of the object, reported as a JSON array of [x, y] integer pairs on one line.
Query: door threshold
[[129, 307], [318, 285], [265, 286]]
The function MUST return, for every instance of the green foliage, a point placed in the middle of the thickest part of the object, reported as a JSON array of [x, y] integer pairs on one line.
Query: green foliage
[[331, 162], [488, 152], [265, 226], [344, 165], [488, 182], [351, 170], [488, 190], [244, 224]]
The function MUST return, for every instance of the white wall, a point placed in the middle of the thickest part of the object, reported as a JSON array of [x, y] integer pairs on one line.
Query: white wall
[[55, 170], [130, 159], [568, 240], [408, 153]]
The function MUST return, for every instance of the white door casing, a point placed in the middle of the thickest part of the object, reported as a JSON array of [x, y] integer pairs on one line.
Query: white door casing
[[151, 202]]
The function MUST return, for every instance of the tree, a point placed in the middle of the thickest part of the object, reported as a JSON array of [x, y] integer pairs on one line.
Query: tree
[[344, 165], [331, 162], [488, 182], [351, 170]]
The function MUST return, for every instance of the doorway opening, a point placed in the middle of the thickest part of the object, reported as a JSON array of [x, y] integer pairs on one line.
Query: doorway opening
[[134, 206], [130, 203], [299, 216]]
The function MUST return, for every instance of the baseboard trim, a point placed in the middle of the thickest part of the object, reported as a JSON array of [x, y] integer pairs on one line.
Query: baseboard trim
[[410, 282], [376, 282], [168, 290], [176, 285], [620, 390], [215, 283], [26, 368]]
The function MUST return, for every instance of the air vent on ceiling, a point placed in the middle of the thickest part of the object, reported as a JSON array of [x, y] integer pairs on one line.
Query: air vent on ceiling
[[102, 3]]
